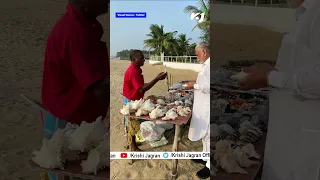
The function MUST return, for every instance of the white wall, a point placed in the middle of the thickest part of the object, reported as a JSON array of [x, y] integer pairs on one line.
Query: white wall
[[272, 18], [174, 65], [155, 62]]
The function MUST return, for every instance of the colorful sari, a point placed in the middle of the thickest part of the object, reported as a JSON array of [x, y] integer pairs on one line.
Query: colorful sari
[[132, 124]]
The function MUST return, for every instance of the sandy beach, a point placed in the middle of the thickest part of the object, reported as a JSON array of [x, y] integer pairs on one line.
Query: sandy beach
[[240, 42], [24, 27]]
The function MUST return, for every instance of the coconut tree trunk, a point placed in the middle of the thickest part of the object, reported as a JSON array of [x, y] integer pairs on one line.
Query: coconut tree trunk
[[162, 56]]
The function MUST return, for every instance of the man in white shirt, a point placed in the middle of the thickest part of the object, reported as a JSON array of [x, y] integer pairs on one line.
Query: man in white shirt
[[200, 122], [293, 141]]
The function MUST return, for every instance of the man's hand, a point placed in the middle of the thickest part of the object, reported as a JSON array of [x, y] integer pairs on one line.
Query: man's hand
[[161, 76], [257, 78], [147, 86], [190, 85]]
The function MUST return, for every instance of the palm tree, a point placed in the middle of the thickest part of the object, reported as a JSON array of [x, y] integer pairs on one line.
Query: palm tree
[[191, 49], [183, 44], [161, 41], [203, 6], [205, 35]]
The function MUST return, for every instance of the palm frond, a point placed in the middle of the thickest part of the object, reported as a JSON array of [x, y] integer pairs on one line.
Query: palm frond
[[191, 9]]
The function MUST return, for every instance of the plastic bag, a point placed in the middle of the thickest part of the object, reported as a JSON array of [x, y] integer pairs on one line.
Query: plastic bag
[[150, 131], [163, 141], [165, 125]]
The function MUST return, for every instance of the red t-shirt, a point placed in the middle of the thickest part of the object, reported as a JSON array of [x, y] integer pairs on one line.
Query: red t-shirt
[[133, 80], [75, 58]]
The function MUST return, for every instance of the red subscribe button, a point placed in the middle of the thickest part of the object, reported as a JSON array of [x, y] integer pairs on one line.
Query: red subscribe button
[[124, 155]]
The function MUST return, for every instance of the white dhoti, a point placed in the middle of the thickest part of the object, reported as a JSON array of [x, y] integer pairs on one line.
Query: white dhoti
[[200, 121], [206, 147], [293, 141]]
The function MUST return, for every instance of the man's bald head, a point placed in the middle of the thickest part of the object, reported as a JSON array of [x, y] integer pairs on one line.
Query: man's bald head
[[137, 57], [202, 52]]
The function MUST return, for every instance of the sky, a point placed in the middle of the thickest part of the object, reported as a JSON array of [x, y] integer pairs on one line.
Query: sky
[[129, 33]]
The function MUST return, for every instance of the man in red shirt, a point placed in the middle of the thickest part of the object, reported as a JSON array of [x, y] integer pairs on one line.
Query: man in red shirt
[[76, 75], [134, 89]]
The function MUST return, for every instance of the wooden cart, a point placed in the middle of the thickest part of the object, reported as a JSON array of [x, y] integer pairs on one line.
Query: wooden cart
[[178, 122]]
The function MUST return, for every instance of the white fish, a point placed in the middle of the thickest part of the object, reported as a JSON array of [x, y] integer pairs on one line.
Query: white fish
[[55, 152], [137, 104], [161, 102], [171, 114], [87, 136], [243, 159], [183, 111], [98, 158], [141, 112], [177, 103], [250, 151], [126, 109], [50, 154], [159, 111], [188, 102], [148, 106], [226, 159]]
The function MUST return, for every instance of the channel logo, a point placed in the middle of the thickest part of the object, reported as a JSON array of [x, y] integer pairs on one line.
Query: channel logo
[[124, 155]]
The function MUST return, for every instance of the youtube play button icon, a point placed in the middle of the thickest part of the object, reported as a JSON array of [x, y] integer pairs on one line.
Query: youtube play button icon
[[124, 155]]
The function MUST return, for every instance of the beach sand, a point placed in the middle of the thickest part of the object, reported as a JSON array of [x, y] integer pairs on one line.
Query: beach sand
[[24, 27], [240, 42]]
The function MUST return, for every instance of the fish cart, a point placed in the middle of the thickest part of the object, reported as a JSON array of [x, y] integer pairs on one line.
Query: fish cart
[[177, 135], [238, 127], [73, 166], [174, 108]]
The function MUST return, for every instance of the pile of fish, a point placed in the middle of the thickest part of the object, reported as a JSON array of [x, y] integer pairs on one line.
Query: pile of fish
[[166, 108], [238, 120], [67, 145]]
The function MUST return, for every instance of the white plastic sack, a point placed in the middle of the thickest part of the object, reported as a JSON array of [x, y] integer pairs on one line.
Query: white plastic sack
[[165, 125], [163, 141], [150, 131]]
